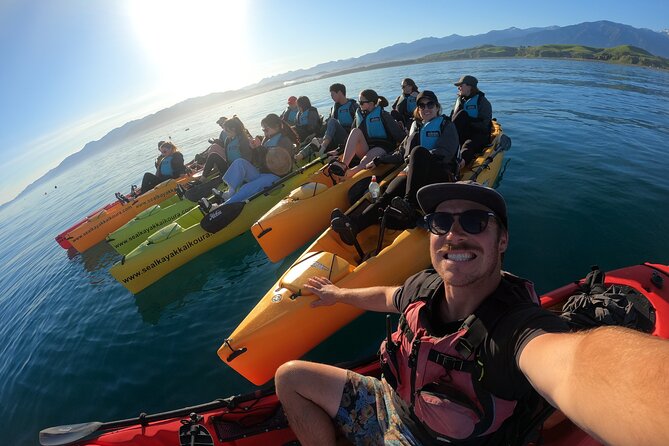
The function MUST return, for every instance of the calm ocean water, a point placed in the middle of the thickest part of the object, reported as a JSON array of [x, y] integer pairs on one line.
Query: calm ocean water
[[586, 183]]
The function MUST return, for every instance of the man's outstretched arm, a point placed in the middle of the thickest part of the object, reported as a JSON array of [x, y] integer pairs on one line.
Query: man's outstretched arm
[[378, 298], [612, 382]]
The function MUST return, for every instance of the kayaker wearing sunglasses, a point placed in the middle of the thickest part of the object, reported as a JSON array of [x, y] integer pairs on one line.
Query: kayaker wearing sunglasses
[[474, 350], [430, 150], [375, 132]]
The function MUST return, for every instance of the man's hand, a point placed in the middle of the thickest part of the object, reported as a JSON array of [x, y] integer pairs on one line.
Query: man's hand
[[325, 290]]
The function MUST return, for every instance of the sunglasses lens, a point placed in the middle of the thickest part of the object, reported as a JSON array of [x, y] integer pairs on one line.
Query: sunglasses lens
[[473, 221], [439, 223]]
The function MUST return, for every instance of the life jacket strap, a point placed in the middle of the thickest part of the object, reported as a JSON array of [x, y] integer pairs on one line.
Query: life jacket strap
[[452, 363]]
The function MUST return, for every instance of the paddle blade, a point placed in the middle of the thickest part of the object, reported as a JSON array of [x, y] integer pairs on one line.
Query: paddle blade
[[69, 433]]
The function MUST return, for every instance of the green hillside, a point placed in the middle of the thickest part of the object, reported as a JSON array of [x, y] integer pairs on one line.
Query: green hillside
[[623, 54]]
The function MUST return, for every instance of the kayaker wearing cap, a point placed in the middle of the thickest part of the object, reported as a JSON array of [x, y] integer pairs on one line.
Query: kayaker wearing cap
[[430, 150], [472, 349], [405, 104], [472, 116], [375, 132], [290, 113]]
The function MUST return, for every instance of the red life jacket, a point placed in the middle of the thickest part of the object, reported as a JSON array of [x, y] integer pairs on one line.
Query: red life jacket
[[440, 377]]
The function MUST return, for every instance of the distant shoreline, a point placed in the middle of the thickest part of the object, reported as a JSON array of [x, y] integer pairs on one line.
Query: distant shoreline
[[467, 54]]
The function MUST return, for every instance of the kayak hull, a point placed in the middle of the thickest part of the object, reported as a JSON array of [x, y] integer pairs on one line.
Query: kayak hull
[[305, 212], [133, 233], [149, 262], [92, 230], [267, 338]]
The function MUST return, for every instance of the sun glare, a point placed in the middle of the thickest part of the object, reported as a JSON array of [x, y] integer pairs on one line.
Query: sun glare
[[199, 45]]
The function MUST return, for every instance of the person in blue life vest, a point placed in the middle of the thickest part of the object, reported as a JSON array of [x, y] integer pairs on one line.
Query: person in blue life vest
[[339, 123], [201, 158], [430, 151], [290, 113], [308, 122], [169, 164], [374, 133], [223, 135], [472, 116], [236, 145], [272, 159], [405, 104], [472, 348]]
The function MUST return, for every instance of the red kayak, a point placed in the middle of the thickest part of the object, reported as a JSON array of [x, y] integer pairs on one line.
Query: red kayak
[[258, 419]]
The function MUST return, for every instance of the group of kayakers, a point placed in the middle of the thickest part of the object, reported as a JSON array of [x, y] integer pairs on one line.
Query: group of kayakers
[[365, 132]]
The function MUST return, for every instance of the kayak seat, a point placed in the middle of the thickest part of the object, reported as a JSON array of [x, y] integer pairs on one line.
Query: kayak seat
[[148, 212], [307, 190], [325, 264], [165, 233], [245, 425]]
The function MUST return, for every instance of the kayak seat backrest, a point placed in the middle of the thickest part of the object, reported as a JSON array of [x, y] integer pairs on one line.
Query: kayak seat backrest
[[148, 212], [238, 425], [324, 264], [307, 190], [165, 233]]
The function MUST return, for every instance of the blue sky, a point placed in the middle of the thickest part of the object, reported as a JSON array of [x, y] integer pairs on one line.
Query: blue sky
[[72, 70]]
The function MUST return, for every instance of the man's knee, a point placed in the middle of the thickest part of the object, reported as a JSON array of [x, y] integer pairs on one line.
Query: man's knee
[[288, 377]]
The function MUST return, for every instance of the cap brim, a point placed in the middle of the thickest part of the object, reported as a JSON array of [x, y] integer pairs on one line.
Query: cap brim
[[431, 196]]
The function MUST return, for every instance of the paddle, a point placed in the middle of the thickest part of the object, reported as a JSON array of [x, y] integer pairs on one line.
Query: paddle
[[503, 144], [70, 433]]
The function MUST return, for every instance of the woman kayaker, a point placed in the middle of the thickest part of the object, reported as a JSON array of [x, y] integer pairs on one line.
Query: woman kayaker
[[236, 145], [430, 149], [170, 164], [375, 132], [308, 122], [405, 104], [273, 158]]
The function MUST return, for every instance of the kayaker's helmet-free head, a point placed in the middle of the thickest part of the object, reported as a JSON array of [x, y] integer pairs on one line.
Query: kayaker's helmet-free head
[[292, 100], [467, 79], [431, 196]]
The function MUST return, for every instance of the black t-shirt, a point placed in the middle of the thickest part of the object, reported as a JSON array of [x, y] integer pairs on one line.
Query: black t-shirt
[[511, 320]]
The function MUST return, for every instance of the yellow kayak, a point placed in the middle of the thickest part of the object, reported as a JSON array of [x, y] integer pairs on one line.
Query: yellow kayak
[[305, 212], [283, 325], [183, 240]]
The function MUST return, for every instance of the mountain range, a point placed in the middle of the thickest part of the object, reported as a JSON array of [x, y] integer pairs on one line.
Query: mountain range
[[601, 34]]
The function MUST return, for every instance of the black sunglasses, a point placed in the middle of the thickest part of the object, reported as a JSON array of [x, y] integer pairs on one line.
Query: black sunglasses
[[473, 221], [364, 102], [424, 105]]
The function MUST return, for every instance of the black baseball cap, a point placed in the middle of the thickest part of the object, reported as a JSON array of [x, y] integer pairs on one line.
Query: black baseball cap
[[427, 94], [467, 79], [431, 196]]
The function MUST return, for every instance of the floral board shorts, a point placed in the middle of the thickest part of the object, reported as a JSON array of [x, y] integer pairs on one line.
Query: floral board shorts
[[369, 414]]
